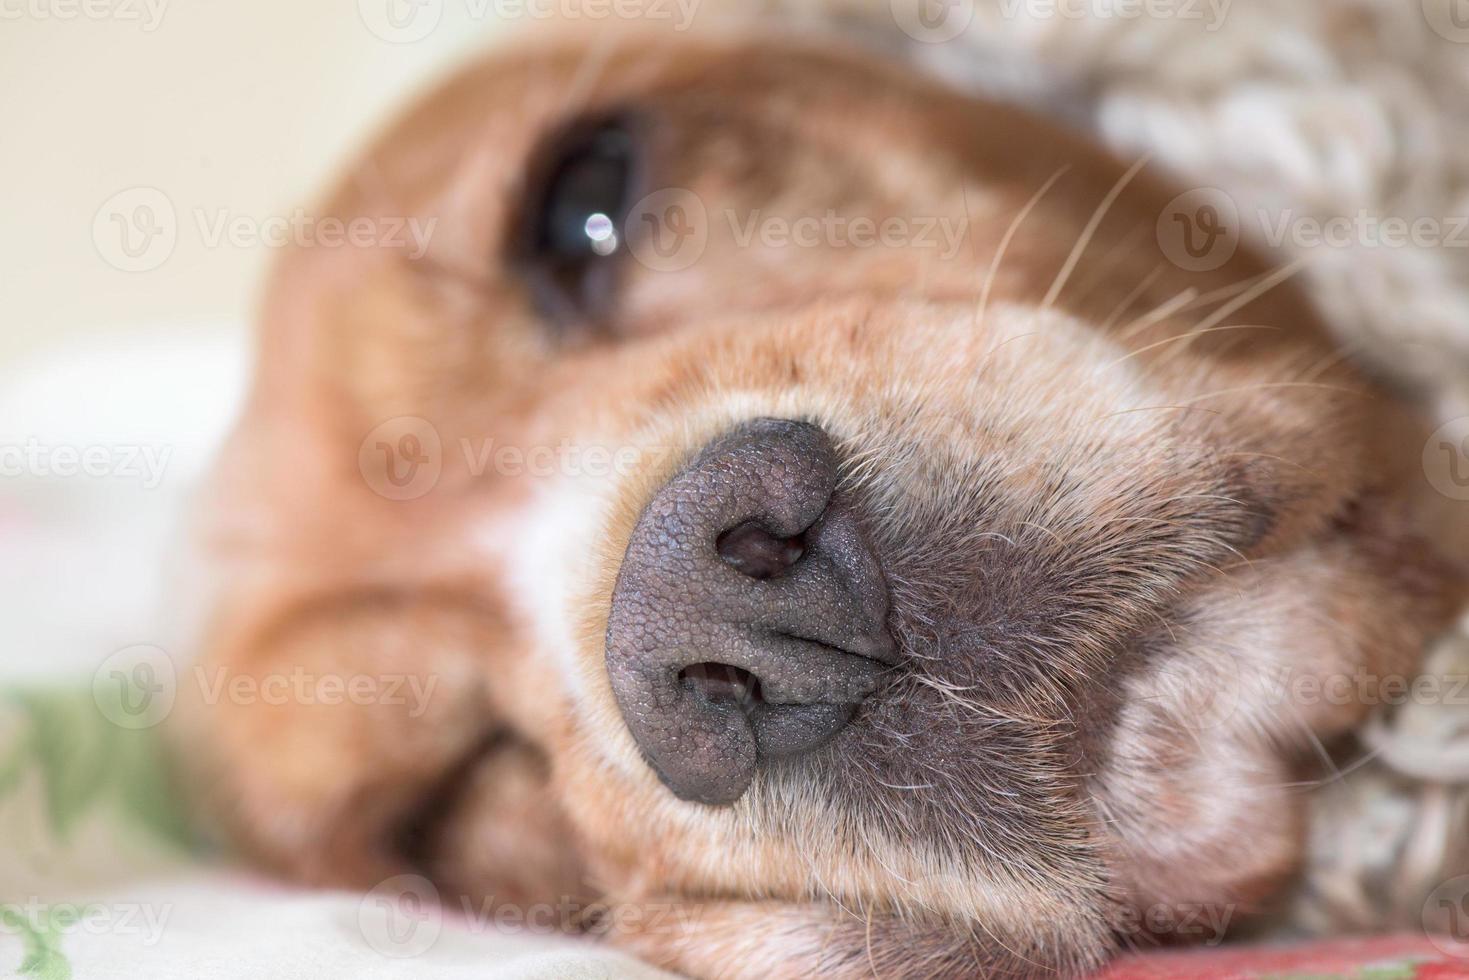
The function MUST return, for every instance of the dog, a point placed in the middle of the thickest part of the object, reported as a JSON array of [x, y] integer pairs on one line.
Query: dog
[[804, 498]]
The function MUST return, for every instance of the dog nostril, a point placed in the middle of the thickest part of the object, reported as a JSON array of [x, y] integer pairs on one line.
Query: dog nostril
[[715, 672], [722, 683], [751, 549]]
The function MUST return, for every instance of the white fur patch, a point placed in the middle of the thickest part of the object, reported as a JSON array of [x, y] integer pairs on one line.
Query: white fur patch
[[545, 549]]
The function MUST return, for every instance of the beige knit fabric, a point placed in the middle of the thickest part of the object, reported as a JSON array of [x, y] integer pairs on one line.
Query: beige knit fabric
[[1317, 121]]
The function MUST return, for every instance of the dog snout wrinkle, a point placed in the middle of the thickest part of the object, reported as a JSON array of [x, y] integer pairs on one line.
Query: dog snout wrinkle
[[749, 616]]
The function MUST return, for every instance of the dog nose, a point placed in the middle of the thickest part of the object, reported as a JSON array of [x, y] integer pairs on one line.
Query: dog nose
[[749, 616]]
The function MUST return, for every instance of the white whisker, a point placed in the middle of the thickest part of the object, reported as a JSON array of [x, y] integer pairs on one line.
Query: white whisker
[[1092, 225], [994, 269]]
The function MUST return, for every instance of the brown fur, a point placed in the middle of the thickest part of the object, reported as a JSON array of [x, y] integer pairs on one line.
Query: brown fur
[[1101, 486]]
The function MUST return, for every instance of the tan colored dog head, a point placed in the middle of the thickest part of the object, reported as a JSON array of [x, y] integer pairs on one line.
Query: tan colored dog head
[[799, 493]]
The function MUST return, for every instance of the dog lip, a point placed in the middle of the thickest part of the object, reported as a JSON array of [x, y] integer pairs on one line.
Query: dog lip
[[785, 730], [864, 669], [833, 675], [878, 646]]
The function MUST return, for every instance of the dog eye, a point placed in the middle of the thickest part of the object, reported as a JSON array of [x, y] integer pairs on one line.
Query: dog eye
[[573, 227]]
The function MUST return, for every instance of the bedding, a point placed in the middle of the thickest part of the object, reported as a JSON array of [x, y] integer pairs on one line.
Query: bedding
[[105, 878]]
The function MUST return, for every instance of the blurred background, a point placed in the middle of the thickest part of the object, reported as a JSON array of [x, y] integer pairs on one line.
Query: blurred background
[[151, 152]]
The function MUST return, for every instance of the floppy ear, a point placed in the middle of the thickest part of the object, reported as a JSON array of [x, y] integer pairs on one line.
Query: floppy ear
[[343, 723], [319, 736]]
